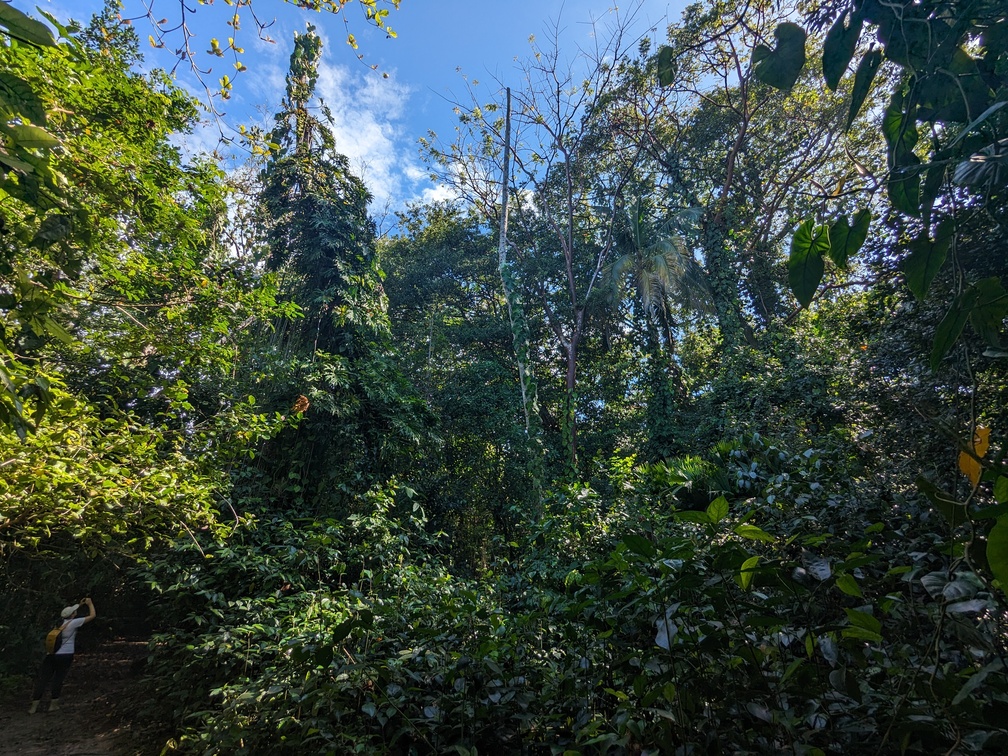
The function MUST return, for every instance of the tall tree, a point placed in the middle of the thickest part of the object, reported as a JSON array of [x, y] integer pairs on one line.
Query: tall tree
[[450, 325], [566, 191], [664, 279], [337, 356]]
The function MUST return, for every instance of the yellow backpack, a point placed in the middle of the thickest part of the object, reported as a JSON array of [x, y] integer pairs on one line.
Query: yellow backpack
[[54, 639]]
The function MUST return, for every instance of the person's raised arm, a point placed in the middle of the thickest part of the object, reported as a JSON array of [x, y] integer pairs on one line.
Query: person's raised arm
[[91, 610]]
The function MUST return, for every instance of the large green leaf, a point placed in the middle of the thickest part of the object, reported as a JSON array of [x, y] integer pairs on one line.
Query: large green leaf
[[781, 66], [845, 239], [31, 137], [997, 551], [989, 310], [805, 263], [53, 228], [848, 585], [863, 79], [666, 66], [951, 326], [640, 545], [838, 48], [747, 570], [903, 188], [20, 98], [754, 533], [976, 680], [1001, 489], [955, 93], [926, 259], [718, 509], [26, 29], [863, 626], [689, 515], [899, 127], [342, 630]]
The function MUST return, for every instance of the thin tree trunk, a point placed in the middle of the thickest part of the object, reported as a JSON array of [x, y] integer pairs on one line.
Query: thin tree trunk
[[516, 314]]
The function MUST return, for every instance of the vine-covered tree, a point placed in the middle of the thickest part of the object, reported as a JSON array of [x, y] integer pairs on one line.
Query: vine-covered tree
[[333, 364]]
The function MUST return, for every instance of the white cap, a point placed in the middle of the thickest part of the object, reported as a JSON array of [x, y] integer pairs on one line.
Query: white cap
[[70, 611]]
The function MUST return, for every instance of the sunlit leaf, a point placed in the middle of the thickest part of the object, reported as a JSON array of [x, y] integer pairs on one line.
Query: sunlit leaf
[[718, 509], [1001, 489], [29, 136], [747, 570], [997, 551], [688, 515], [847, 584], [805, 263], [753, 533], [26, 29]]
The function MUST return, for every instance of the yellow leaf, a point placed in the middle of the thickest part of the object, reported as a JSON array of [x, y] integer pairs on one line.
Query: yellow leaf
[[981, 440], [969, 466]]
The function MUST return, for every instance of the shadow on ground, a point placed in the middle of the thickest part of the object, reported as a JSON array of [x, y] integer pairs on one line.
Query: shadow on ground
[[92, 719]]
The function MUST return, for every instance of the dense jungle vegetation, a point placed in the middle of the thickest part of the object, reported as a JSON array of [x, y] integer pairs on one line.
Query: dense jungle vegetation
[[691, 441]]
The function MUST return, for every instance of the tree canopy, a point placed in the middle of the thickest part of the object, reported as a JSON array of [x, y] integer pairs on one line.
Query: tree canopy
[[679, 430]]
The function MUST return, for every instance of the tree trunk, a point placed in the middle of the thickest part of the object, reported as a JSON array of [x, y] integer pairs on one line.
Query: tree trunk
[[519, 326]]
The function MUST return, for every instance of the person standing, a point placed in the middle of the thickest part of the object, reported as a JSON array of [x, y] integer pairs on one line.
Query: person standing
[[56, 665]]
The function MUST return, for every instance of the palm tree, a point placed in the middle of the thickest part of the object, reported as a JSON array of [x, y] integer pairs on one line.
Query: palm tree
[[665, 277], [655, 261]]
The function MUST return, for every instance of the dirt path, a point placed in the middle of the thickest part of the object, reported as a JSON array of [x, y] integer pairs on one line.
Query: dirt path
[[92, 719]]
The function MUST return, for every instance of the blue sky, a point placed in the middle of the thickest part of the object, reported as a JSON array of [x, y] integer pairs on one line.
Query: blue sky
[[379, 119]]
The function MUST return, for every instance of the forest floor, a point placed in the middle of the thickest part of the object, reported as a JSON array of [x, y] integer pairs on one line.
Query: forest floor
[[93, 719]]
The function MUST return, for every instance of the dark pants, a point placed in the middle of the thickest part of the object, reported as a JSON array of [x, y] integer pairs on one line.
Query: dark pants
[[54, 668]]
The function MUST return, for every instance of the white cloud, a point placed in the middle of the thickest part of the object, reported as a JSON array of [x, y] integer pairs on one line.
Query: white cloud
[[370, 128], [438, 193]]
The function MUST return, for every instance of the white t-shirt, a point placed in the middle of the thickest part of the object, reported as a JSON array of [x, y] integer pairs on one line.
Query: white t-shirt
[[70, 635]]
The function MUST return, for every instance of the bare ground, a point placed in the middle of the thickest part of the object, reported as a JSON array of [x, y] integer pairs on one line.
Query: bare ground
[[93, 718]]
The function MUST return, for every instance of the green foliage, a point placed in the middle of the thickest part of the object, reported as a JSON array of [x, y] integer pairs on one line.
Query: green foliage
[[863, 80], [839, 47], [121, 313], [847, 238], [952, 78], [809, 246], [590, 633], [997, 551], [334, 364], [741, 561], [900, 130], [451, 328], [781, 66]]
